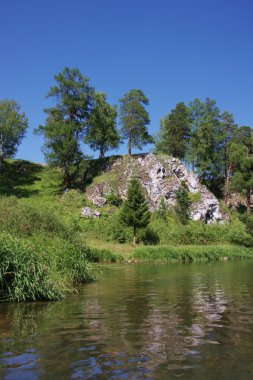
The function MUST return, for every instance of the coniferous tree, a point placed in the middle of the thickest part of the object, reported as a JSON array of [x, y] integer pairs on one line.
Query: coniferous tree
[[175, 131], [134, 120], [13, 125], [135, 212], [66, 121], [183, 203], [102, 133]]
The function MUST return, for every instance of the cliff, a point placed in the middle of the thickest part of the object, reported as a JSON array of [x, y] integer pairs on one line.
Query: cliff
[[160, 177]]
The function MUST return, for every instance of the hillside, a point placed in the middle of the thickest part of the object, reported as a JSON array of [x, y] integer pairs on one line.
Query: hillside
[[160, 177]]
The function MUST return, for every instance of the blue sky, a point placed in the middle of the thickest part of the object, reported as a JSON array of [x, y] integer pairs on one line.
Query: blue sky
[[173, 50]]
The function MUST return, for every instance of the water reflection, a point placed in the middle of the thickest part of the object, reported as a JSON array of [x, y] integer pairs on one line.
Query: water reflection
[[137, 322]]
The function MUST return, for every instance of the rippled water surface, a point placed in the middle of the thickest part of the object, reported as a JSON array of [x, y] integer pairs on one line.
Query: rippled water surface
[[174, 321]]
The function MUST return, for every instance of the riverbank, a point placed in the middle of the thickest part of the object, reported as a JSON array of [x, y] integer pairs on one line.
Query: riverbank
[[167, 253], [46, 247]]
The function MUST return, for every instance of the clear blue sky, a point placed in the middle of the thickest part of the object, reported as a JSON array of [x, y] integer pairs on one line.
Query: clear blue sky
[[174, 50]]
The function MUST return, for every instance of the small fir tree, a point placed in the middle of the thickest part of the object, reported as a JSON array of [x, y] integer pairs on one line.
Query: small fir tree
[[135, 212], [163, 209], [182, 205]]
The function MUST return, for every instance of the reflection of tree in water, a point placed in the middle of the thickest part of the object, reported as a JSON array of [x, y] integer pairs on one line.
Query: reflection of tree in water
[[144, 322]]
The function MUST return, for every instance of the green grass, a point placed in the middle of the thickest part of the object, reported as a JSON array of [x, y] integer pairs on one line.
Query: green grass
[[191, 253], [41, 254]]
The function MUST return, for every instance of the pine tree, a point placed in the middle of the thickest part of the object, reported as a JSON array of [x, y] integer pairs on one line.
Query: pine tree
[[175, 131], [134, 120], [134, 212], [66, 121], [102, 133]]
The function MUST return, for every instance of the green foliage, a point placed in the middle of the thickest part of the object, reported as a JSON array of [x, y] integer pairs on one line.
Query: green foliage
[[170, 231], [134, 212], [148, 236], [190, 253], [114, 199], [102, 134], [183, 203], [175, 131], [23, 218], [40, 268], [163, 209], [103, 255], [13, 125], [194, 197], [240, 155], [134, 119], [206, 138], [66, 121], [41, 256]]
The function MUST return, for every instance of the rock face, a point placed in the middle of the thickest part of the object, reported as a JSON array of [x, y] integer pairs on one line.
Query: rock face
[[160, 177], [90, 213]]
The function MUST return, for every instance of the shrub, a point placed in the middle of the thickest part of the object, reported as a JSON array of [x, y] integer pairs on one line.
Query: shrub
[[148, 236]]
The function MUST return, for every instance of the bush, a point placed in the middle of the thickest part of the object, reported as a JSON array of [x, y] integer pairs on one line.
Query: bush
[[148, 236], [114, 200]]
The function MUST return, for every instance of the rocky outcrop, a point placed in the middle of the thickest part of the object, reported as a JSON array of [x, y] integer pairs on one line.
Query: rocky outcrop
[[160, 177], [90, 213]]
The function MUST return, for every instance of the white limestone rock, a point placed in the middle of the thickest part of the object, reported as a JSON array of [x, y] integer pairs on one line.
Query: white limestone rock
[[160, 177], [90, 213]]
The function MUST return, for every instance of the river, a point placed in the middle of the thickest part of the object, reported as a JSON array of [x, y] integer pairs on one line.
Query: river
[[175, 321]]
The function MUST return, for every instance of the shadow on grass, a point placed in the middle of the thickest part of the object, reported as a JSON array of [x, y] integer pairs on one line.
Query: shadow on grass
[[17, 176]]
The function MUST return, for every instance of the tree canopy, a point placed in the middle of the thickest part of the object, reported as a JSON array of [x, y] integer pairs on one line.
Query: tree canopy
[[134, 120], [66, 121], [102, 134], [13, 126], [175, 131]]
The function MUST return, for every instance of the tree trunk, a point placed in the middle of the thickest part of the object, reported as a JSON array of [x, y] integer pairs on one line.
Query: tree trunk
[[248, 200], [227, 183], [67, 180], [134, 229], [130, 143], [101, 153], [1, 152]]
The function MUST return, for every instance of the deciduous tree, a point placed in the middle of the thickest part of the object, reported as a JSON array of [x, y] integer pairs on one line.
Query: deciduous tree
[[13, 125]]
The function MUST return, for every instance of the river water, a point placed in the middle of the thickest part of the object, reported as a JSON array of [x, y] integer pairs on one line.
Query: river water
[[176, 321]]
